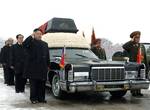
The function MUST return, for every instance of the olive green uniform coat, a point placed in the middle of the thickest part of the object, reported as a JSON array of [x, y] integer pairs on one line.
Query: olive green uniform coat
[[99, 52], [131, 50]]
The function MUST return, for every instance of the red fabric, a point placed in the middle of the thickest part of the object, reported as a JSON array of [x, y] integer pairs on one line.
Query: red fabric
[[93, 37], [43, 27], [139, 56], [62, 61]]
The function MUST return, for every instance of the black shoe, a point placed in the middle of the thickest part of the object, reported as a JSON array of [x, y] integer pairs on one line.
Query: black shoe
[[22, 91], [17, 91], [140, 94], [11, 84], [34, 102], [134, 94], [43, 101]]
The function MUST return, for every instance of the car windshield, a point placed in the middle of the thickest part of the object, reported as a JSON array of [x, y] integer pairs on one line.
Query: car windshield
[[147, 49], [72, 53]]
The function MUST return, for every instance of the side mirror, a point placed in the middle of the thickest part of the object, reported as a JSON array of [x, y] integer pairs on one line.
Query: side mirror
[[57, 59]]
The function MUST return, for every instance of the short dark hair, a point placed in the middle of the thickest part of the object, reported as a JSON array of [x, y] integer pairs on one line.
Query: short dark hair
[[17, 36], [37, 29]]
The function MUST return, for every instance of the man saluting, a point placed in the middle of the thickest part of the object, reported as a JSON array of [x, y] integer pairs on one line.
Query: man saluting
[[131, 51], [36, 65]]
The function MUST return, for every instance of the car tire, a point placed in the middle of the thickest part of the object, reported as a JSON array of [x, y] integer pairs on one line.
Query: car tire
[[118, 94], [56, 89]]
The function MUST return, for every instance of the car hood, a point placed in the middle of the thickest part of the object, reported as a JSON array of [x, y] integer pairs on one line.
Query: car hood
[[94, 62]]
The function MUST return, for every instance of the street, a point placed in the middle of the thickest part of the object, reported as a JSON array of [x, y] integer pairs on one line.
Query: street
[[9, 100]]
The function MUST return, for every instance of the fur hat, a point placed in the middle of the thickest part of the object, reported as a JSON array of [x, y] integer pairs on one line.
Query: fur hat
[[135, 33]]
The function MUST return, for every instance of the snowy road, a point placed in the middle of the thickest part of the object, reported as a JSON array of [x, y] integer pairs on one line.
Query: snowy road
[[9, 100]]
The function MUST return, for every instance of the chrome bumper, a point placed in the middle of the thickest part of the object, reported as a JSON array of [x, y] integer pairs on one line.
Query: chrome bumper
[[104, 86], [143, 84]]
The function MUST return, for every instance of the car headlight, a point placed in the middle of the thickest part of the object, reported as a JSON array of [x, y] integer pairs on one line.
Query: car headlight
[[69, 72], [70, 75], [79, 76], [142, 74], [131, 74]]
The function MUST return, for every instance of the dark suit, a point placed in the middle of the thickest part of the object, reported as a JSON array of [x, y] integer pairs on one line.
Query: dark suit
[[17, 61], [1, 55], [5, 60], [4, 69], [36, 67]]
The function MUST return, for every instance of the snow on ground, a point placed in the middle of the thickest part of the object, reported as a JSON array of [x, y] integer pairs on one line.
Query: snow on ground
[[1, 72], [8, 96], [9, 100]]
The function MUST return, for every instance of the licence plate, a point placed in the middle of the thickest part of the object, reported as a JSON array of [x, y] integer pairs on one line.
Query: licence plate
[[126, 87], [99, 87]]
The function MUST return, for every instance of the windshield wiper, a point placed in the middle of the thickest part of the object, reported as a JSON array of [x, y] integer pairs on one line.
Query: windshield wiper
[[56, 56], [81, 55]]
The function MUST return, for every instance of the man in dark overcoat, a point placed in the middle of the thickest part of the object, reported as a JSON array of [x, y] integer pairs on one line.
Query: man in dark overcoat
[[5, 60], [17, 63], [36, 65]]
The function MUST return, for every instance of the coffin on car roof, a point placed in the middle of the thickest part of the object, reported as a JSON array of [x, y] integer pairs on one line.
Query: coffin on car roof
[[65, 39], [59, 25]]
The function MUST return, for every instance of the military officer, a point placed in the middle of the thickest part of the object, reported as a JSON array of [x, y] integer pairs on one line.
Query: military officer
[[131, 50], [98, 50], [17, 63]]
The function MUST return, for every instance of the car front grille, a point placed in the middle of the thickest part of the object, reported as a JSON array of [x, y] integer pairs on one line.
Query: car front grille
[[107, 73]]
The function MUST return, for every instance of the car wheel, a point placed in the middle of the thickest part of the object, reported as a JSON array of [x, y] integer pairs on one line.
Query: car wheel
[[56, 89], [118, 94]]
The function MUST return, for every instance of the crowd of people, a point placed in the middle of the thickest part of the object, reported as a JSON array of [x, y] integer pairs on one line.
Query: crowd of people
[[29, 59]]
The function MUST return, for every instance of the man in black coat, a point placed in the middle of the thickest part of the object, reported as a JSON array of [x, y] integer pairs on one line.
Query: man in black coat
[[17, 63], [2, 62], [36, 65], [5, 60]]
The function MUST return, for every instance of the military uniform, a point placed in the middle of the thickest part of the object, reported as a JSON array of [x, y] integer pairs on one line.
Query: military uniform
[[99, 52], [17, 61], [131, 50], [36, 67]]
